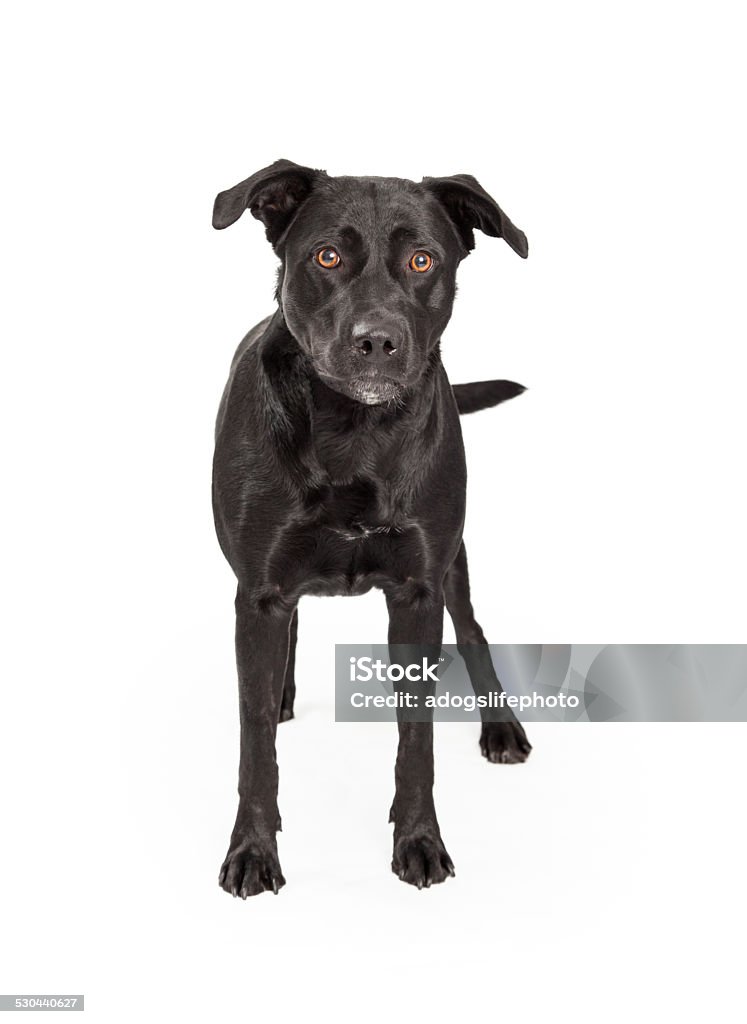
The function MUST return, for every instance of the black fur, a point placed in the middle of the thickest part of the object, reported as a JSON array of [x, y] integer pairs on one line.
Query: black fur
[[483, 394], [339, 466]]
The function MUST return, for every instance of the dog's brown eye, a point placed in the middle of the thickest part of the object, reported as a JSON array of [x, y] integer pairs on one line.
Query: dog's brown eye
[[328, 258], [421, 261]]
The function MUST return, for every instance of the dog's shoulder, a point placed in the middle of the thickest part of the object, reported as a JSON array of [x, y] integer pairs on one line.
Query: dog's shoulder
[[243, 369], [250, 341]]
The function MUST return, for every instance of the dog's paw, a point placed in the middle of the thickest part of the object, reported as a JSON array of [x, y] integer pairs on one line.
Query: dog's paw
[[504, 742], [421, 861], [251, 867]]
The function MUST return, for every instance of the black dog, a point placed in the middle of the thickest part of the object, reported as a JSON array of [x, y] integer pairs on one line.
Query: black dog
[[339, 466]]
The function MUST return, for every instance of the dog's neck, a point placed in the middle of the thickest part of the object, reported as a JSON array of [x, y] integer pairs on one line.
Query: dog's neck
[[334, 436]]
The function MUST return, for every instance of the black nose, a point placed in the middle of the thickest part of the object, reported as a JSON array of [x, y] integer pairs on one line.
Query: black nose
[[376, 349]]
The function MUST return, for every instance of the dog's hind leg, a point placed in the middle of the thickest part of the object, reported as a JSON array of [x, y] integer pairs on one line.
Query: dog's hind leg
[[289, 683], [502, 740]]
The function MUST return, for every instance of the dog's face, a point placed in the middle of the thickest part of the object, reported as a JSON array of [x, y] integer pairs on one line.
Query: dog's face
[[368, 272]]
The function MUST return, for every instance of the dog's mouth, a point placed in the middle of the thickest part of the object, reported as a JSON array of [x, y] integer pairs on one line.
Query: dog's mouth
[[375, 392], [368, 389]]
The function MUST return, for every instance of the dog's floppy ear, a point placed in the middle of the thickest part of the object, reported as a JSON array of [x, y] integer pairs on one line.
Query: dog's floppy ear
[[469, 206], [273, 194]]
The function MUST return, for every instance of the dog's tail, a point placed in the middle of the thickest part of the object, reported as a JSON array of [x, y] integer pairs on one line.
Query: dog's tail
[[482, 394]]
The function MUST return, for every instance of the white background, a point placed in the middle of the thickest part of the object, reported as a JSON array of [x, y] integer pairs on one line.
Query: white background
[[604, 879]]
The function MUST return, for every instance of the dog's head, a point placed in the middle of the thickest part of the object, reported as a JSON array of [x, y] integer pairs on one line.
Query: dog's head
[[368, 272]]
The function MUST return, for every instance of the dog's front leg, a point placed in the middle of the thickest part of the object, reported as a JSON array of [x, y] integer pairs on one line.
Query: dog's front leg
[[262, 639], [420, 857]]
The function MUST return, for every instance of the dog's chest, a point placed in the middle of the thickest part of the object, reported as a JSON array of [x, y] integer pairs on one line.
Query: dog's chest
[[355, 509], [349, 538], [353, 528]]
